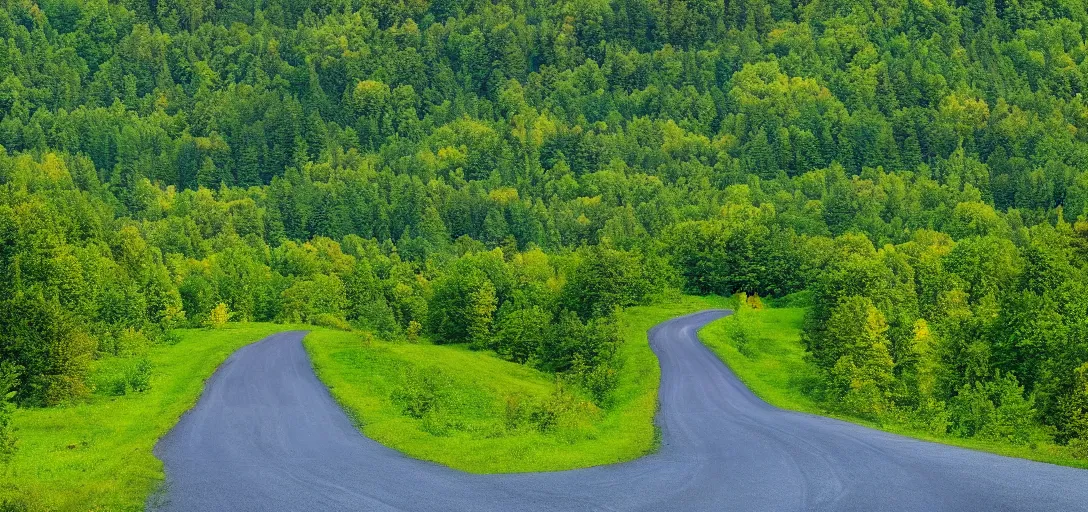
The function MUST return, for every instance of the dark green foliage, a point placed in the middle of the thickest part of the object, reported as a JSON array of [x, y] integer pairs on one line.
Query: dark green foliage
[[994, 409], [139, 377], [367, 305], [545, 415], [47, 348], [8, 377], [520, 332], [463, 306], [604, 279]]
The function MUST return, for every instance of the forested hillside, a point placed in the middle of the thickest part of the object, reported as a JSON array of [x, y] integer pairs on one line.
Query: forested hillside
[[506, 174]]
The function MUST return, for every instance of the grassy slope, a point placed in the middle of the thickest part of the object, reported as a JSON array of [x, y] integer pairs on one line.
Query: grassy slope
[[775, 370], [97, 455], [363, 378]]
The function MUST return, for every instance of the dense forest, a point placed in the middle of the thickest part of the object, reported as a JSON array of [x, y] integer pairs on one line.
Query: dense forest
[[506, 174]]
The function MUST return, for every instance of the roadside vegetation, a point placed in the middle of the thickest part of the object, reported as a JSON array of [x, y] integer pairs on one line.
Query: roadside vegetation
[[763, 346], [473, 411], [96, 454], [465, 408]]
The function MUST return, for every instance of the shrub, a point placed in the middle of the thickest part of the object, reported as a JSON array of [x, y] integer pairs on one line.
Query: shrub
[[1079, 447], [802, 299], [169, 337], [138, 376], [131, 342], [517, 410], [548, 414], [330, 320], [931, 416], [421, 392], [1074, 406], [740, 334], [119, 376], [8, 376], [563, 412], [117, 386], [598, 380], [219, 316], [994, 409], [60, 388], [414, 329], [857, 391], [15, 504]]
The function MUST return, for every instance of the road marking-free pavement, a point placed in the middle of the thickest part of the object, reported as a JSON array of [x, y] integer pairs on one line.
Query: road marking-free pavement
[[267, 436]]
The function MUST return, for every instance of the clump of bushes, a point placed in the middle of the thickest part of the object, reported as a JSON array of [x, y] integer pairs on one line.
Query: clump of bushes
[[738, 328], [444, 407], [127, 343], [995, 409], [330, 320], [121, 376], [563, 411], [8, 376], [218, 317], [421, 392], [412, 333], [430, 396]]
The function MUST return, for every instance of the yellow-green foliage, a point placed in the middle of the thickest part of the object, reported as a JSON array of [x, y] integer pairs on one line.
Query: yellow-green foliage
[[331, 321], [770, 359], [96, 455], [219, 316], [475, 412]]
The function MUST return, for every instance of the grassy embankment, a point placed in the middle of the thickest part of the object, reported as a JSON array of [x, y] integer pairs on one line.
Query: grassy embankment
[[771, 363], [475, 412], [97, 455]]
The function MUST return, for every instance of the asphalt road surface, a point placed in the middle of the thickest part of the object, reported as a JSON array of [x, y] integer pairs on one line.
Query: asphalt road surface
[[266, 435]]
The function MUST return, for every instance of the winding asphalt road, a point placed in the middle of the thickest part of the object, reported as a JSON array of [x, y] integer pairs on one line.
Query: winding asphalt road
[[266, 435]]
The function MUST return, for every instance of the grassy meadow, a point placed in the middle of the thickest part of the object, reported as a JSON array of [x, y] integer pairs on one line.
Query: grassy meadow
[[97, 454], [475, 412]]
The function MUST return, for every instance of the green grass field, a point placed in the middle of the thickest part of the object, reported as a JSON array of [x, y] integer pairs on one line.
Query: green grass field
[[476, 399], [97, 455], [771, 363]]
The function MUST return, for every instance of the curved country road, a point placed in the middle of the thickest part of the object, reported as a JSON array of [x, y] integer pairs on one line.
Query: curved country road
[[266, 435]]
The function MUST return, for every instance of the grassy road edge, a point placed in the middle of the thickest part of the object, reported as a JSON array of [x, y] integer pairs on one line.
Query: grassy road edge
[[775, 371], [98, 454]]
